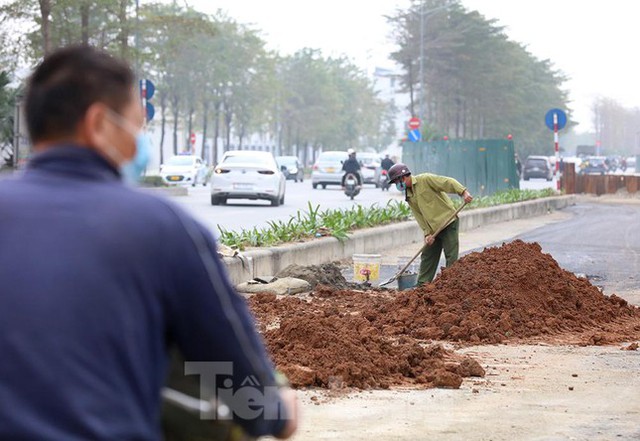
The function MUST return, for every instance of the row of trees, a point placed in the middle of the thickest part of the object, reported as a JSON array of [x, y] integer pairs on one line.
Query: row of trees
[[464, 77], [477, 83], [211, 73], [617, 127]]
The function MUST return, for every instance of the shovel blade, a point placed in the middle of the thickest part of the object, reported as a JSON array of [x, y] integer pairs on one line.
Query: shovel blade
[[389, 281]]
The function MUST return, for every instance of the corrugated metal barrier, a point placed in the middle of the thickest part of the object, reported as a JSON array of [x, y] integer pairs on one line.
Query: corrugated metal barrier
[[483, 166], [573, 183]]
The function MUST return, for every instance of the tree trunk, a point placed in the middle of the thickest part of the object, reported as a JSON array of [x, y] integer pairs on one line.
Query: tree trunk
[[192, 147], [163, 122], [175, 101], [216, 131], [411, 100], [228, 116], [205, 120], [305, 154], [84, 23], [123, 37], [45, 11], [240, 138]]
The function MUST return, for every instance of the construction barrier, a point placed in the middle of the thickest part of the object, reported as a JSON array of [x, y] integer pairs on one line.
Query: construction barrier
[[484, 166], [574, 183]]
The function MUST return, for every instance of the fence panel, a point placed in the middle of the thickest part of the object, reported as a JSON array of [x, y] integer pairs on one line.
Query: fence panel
[[483, 166]]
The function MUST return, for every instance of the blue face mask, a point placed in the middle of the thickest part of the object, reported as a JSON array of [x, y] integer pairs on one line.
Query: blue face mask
[[401, 186], [131, 170]]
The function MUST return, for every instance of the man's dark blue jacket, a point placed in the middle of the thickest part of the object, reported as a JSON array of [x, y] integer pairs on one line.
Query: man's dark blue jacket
[[96, 280]]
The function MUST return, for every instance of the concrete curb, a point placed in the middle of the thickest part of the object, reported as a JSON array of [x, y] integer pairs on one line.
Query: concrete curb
[[269, 261], [167, 191]]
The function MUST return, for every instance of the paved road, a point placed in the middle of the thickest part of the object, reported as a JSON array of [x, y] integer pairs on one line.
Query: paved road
[[601, 241], [246, 214]]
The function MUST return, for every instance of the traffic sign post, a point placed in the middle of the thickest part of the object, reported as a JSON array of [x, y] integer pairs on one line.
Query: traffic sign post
[[147, 90], [556, 119], [415, 135]]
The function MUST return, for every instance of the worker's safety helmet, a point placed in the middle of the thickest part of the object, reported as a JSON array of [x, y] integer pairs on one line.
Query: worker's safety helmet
[[397, 171]]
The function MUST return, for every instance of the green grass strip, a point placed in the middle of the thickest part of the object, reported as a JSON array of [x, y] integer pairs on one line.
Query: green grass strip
[[338, 223]]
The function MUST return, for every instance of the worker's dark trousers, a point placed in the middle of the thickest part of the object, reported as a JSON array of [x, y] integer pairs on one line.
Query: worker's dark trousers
[[447, 240]]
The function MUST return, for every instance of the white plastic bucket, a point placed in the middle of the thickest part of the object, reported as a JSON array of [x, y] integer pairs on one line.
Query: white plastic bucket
[[366, 267]]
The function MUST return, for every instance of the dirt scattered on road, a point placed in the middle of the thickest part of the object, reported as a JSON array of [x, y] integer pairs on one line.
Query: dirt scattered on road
[[377, 339], [331, 348]]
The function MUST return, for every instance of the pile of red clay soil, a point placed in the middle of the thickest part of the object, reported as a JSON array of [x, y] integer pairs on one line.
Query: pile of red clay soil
[[333, 349], [376, 339], [508, 292]]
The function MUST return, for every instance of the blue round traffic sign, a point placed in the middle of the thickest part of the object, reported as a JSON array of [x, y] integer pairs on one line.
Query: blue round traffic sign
[[561, 116], [151, 111], [148, 87], [415, 135]]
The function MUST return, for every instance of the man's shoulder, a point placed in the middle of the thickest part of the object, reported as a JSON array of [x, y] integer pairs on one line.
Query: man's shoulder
[[426, 177], [154, 206]]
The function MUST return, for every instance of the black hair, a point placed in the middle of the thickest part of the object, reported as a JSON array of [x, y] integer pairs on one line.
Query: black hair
[[67, 83]]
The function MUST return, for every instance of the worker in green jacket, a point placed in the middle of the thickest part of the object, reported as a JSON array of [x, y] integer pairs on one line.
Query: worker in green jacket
[[427, 196]]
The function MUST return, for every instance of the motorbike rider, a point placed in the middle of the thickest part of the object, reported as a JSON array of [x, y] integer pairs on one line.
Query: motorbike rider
[[386, 163], [351, 165]]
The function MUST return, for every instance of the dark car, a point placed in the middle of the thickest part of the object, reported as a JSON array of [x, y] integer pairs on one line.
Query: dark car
[[537, 167], [594, 165], [291, 167]]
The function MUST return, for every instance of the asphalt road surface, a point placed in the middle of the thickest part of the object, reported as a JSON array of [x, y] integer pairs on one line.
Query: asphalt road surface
[[246, 214], [601, 241]]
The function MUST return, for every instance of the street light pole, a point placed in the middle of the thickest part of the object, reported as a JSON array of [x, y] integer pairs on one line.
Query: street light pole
[[422, 20], [421, 116], [137, 38]]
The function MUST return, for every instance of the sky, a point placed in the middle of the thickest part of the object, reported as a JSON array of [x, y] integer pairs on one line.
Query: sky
[[592, 42]]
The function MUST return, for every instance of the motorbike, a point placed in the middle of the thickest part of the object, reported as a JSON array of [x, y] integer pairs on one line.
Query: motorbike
[[351, 187], [383, 180]]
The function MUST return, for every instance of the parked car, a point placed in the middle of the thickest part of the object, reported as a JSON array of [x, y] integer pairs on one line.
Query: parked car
[[328, 169], [247, 175], [537, 167], [184, 169], [291, 167], [594, 165], [370, 170]]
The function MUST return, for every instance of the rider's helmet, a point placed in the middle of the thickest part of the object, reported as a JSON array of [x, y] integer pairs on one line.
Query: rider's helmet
[[397, 171]]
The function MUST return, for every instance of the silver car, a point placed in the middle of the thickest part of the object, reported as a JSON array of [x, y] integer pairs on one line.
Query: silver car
[[328, 169], [291, 167], [247, 175]]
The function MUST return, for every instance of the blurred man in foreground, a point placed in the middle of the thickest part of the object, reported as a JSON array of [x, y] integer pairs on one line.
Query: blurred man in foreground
[[98, 279]]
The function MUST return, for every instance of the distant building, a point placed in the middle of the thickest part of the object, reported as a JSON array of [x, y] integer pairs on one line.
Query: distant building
[[387, 84]]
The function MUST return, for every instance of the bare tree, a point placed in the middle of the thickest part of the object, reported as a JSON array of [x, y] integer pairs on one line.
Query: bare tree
[[45, 12]]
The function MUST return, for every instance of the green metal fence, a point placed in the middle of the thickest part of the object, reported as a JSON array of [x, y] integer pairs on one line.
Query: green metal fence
[[483, 166]]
